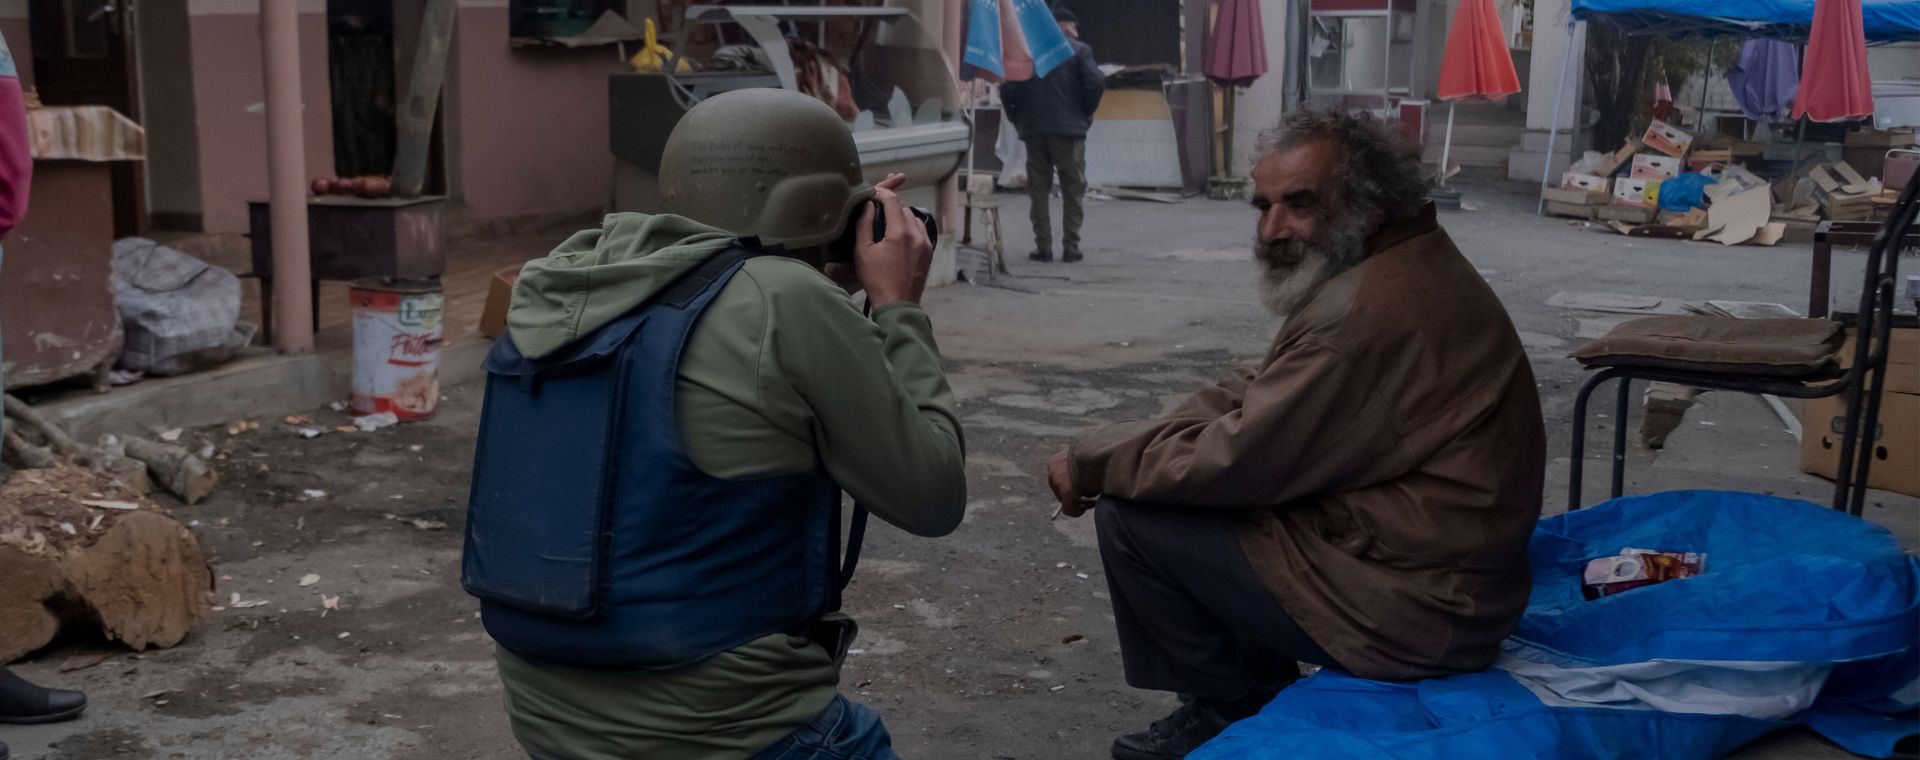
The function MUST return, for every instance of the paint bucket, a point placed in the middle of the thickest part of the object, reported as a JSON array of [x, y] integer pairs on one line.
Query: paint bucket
[[397, 327]]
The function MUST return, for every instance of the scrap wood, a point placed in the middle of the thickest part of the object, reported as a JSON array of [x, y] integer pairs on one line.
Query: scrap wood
[[57, 439], [134, 575], [28, 455], [177, 470]]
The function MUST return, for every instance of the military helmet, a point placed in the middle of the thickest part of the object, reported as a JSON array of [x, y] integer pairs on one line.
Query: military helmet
[[766, 163]]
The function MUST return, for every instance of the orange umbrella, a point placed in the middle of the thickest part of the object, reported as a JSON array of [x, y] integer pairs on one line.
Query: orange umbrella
[[1834, 82], [1477, 65]]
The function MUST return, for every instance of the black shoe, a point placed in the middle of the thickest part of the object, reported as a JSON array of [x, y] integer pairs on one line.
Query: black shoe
[[3, 752], [1172, 737], [1071, 257], [22, 702], [1041, 256]]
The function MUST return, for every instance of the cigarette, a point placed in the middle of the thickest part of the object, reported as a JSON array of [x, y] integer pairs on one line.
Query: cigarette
[[1056, 514]]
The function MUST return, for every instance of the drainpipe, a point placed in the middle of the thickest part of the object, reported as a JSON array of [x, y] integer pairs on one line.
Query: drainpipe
[[948, 196], [286, 177]]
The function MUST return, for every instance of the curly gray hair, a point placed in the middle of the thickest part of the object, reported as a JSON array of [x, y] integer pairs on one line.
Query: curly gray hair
[[1379, 167]]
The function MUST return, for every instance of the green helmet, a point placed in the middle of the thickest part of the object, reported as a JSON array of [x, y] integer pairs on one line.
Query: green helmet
[[764, 163]]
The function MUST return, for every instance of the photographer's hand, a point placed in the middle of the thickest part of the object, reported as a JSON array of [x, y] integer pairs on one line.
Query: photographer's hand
[[895, 268], [845, 275]]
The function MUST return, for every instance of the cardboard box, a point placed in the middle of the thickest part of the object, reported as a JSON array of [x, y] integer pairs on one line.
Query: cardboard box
[[1634, 191], [1709, 157], [1574, 210], [493, 318], [1895, 449], [1903, 358], [1649, 166], [1577, 196], [1667, 139], [1586, 182], [1841, 190], [1621, 212]]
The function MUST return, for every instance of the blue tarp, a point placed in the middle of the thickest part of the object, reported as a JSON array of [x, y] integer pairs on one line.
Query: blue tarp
[[1788, 584], [1885, 20], [1687, 191]]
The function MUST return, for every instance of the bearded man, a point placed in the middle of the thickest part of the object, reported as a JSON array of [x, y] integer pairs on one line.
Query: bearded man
[[1362, 498]]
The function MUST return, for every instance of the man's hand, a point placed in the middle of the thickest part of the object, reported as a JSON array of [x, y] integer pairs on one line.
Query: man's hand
[[895, 268], [1060, 479], [847, 275]]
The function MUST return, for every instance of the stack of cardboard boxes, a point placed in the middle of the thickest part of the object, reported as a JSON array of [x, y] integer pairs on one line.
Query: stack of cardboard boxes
[[1589, 189], [1586, 190]]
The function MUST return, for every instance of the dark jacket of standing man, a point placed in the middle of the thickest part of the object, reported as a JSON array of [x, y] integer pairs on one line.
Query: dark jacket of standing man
[[1053, 114]]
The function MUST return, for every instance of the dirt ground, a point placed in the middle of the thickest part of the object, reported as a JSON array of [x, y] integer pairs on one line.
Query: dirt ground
[[995, 642]]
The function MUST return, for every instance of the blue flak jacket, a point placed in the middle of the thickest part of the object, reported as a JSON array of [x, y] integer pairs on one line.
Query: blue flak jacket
[[592, 539]]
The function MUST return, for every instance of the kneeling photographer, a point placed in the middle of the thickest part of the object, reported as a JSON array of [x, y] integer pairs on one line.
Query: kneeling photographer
[[681, 398]]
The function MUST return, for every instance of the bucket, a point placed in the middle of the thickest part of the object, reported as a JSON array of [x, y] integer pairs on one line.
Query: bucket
[[396, 347]]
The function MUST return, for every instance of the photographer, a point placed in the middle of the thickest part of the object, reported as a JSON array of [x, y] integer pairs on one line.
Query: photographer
[[783, 395]]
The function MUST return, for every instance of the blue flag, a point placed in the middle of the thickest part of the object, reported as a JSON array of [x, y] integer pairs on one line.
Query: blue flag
[[983, 40], [1049, 44]]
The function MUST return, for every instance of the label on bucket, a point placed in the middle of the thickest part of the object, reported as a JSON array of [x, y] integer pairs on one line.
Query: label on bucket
[[396, 352]]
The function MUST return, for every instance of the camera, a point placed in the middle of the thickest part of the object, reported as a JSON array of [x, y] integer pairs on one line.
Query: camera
[[840, 251]]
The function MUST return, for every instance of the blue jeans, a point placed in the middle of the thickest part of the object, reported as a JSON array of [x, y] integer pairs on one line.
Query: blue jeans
[[846, 730]]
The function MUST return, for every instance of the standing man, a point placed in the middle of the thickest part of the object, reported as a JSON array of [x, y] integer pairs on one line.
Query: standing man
[[1362, 498], [21, 701], [1053, 114], [670, 421]]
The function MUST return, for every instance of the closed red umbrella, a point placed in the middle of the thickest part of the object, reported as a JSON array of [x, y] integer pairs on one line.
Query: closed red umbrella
[[1237, 50], [1236, 55], [1834, 82], [1477, 65]]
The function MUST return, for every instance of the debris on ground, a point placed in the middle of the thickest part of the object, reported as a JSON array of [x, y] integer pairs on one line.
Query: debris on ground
[[417, 522], [371, 422]]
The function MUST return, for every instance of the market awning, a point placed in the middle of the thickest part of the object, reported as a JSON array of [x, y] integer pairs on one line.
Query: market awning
[[1885, 20]]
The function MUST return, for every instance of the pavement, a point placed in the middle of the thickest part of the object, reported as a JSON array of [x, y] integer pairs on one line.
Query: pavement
[[994, 642]]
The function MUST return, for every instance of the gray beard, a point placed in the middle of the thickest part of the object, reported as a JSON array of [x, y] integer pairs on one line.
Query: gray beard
[[1292, 270]]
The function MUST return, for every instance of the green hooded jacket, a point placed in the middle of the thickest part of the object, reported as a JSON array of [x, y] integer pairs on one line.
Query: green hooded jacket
[[781, 373]]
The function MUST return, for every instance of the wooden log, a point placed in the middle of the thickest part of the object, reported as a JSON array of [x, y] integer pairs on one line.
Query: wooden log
[[123, 469], [174, 469], [120, 565]]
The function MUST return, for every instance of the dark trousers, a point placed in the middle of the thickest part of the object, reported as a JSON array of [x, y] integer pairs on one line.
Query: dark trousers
[[1068, 156], [1193, 617]]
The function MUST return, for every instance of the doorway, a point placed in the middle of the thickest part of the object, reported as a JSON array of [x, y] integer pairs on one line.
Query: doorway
[[83, 55], [360, 70]]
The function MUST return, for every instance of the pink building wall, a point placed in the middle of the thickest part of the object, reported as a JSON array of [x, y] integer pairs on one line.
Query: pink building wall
[[529, 126], [229, 102]]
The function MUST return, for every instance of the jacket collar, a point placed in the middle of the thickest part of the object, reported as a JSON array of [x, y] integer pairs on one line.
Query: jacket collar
[[1400, 230]]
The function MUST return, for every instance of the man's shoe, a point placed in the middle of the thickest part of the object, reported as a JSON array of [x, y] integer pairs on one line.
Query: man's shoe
[[22, 702], [1071, 257], [1041, 256], [3, 752], [1172, 737]]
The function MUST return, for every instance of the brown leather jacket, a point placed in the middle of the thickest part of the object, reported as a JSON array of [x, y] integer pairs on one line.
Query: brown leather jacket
[[1388, 453]]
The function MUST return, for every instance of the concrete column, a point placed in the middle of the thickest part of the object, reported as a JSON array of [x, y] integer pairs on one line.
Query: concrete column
[[1551, 44], [286, 177], [1260, 106]]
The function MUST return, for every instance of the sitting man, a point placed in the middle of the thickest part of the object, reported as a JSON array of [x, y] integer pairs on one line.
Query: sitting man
[[654, 526], [1362, 498]]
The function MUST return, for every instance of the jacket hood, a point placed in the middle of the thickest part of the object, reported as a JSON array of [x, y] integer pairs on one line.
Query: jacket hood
[[598, 275]]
